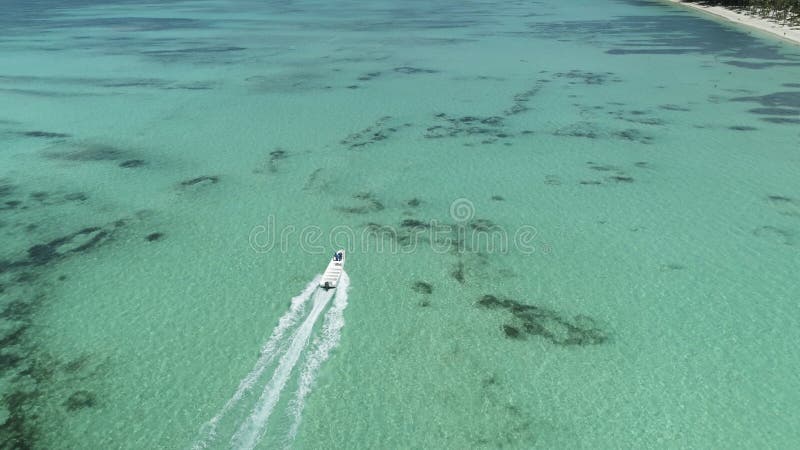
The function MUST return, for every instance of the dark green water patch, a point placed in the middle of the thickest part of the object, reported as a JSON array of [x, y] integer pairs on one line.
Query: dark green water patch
[[521, 101], [18, 432], [274, 159], [588, 78], [601, 167], [76, 242], [542, 322], [89, 153], [200, 181], [486, 127], [775, 111], [414, 202], [512, 332], [44, 134], [414, 224], [498, 198], [377, 132], [422, 287], [458, 272], [759, 65], [482, 225], [670, 107], [369, 76], [80, 399], [637, 117], [669, 267], [775, 234], [152, 237], [669, 33], [588, 130], [621, 179], [6, 187], [369, 203], [788, 99], [781, 120], [132, 163], [786, 206], [634, 135], [407, 70], [552, 180], [742, 128]]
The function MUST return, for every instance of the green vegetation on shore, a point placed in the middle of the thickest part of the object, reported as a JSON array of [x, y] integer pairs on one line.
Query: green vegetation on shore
[[785, 11]]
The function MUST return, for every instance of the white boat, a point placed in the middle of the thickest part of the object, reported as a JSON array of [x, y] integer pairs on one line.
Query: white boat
[[335, 268]]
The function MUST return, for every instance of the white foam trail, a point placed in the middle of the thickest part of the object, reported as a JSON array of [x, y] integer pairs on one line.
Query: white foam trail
[[253, 428], [331, 333], [268, 353]]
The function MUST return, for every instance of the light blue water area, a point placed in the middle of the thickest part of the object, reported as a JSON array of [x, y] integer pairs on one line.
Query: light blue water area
[[568, 224]]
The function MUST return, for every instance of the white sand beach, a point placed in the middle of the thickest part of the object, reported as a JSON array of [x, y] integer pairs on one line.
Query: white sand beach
[[773, 27]]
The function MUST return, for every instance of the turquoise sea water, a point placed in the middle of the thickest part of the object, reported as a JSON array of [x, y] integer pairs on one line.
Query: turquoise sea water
[[641, 160]]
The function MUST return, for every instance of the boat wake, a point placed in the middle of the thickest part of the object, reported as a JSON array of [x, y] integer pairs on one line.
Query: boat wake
[[289, 343]]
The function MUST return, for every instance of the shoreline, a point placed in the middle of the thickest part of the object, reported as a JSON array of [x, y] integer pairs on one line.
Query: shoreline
[[776, 29]]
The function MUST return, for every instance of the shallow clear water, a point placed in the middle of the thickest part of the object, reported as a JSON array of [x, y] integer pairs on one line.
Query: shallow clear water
[[651, 152]]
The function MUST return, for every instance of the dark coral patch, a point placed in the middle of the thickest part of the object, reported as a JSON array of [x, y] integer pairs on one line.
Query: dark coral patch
[[488, 127], [422, 287], [370, 203], [414, 202], [622, 179], [776, 111], [552, 180], [412, 70], [498, 198], [45, 134], [414, 223], [781, 120], [85, 239], [781, 235], [154, 236], [482, 225], [132, 163], [634, 135], [202, 180], [277, 155], [674, 108], [511, 332], [76, 197], [374, 133], [369, 76], [537, 321], [458, 272], [92, 152], [80, 400], [590, 78]]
